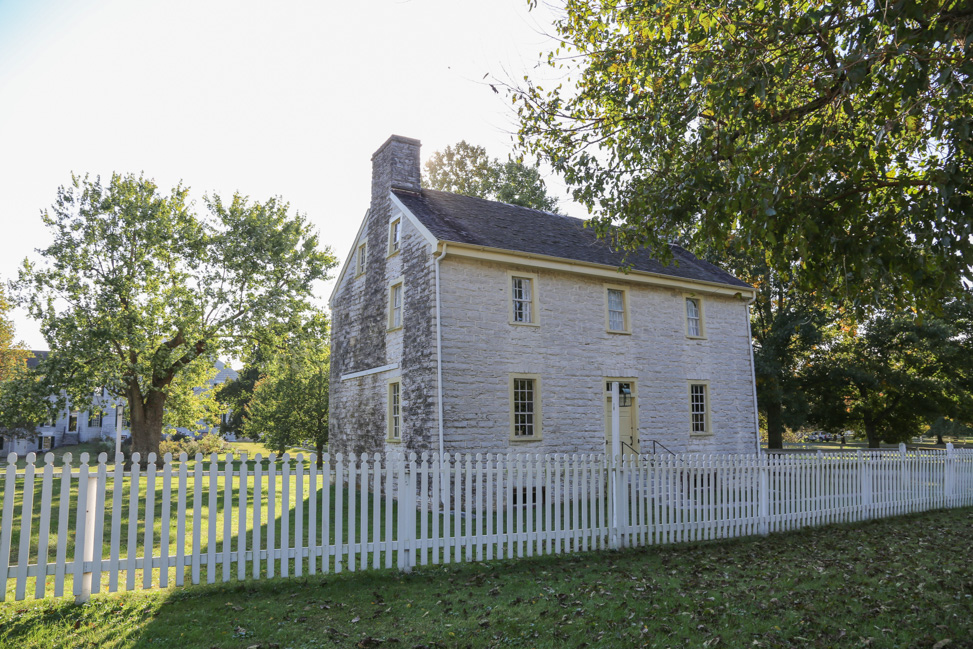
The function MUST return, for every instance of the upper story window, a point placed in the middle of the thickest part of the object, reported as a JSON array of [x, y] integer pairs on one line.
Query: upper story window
[[395, 235], [617, 305], [94, 419], [699, 409], [362, 249], [523, 299], [694, 317], [395, 305]]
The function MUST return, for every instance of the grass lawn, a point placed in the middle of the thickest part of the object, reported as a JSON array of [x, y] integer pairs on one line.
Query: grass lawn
[[903, 582]]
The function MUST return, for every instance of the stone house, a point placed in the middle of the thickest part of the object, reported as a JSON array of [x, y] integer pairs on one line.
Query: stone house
[[466, 325]]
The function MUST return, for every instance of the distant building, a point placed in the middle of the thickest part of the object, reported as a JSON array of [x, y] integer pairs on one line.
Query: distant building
[[96, 420]]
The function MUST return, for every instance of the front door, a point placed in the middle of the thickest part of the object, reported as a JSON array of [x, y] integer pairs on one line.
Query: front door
[[627, 419]]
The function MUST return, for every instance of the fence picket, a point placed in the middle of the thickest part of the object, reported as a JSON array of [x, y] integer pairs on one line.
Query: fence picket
[[458, 508]]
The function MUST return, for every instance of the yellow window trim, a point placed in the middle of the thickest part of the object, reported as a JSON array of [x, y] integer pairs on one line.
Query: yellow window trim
[[627, 329], [361, 260], [388, 410], [700, 303], [535, 320], [708, 403], [399, 281], [398, 245], [537, 407]]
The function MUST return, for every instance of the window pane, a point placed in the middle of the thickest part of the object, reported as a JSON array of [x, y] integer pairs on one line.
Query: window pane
[[697, 403], [521, 299], [616, 310], [394, 406], [523, 407], [397, 306], [692, 315]]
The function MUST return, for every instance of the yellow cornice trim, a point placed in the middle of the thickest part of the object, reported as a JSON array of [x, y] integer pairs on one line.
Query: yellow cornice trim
[[595, 270]]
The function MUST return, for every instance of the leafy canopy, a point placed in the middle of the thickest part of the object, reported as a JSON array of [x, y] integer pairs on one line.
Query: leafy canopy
[[139, 295], [896, 375], [467, 169], [837, 134], [289, 405]]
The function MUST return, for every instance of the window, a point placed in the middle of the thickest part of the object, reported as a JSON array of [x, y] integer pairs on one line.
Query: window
[[522, 300], [694, 317], [361, 259], [525, 408], [699, 409], [94, 419], [47, 443], [395, 234], [617, 303], [395, 305], [73, 422], [395, 411]]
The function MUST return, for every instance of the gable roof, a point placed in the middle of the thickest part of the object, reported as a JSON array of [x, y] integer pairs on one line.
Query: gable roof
[[479, 222]]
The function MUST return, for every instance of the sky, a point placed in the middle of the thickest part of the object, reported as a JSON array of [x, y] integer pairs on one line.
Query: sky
[[284, 98]]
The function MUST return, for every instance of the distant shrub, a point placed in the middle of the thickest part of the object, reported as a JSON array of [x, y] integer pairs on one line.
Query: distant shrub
[[206, 445]]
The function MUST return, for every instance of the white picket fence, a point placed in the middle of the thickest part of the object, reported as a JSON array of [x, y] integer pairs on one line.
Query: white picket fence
[[82, 529]]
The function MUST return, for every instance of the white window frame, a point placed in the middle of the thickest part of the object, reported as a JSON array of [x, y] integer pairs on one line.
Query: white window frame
[[535, 414], [626, 320], [707, 409], [533, 317], [361, 261], [394, 410], [701, 313], [395, 235], [393, 285]]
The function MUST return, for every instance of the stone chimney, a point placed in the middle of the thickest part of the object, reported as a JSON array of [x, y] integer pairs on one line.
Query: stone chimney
[[395, 166]]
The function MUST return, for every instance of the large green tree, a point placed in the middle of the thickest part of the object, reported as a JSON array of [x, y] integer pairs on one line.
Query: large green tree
[[289, 405], [467, 169], [787, 324], [894, 375], [836, 134], [22, 404], [138, 294]]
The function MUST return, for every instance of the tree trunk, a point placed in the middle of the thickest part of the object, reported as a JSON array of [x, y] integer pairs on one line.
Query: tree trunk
[[147, 426], [874, 441], [775, 425], [319, 447]]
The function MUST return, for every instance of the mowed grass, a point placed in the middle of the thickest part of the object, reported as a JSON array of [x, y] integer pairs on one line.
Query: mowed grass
[[903, 582]]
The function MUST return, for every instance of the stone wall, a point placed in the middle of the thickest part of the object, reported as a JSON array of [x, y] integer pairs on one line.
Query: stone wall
[[573, 354], [360, 338]]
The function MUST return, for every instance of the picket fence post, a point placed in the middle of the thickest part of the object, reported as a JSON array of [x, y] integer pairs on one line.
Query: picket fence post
[[949, 476], [86, 539], [865, 473], [763, 494], [407, 513]]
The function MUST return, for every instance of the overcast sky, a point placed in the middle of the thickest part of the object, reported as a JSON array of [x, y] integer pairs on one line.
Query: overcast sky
[[267, 98]]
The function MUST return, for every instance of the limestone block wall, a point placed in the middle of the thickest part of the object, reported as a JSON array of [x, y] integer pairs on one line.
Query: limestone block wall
[[573, 354], [361, 341]]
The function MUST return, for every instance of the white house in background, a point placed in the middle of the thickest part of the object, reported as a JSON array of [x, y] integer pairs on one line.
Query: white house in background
[[96, 420], [467, 325]]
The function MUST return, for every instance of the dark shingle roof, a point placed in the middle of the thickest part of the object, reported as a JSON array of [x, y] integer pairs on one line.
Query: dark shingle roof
[[38, 356], [479, 222]]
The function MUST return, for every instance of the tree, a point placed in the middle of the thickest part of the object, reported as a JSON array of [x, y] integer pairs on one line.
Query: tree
[[139, 295], [289, 405], [896, 375], [836, 134], [13, 356], [467, 169], [787, 325]]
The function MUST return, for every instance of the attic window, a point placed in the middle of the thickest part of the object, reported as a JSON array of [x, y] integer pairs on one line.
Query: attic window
[[395, 235], [361, 258]]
